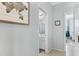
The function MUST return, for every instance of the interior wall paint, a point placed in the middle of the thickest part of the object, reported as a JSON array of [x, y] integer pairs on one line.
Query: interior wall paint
[[55, 33], [58, 31], [20, 40], [23, 40]]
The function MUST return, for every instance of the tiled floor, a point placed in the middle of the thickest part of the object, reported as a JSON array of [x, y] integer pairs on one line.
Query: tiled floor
[[52, 53]]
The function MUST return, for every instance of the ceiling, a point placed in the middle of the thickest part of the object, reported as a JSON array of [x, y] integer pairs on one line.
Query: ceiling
[[54, 3], [69, 3]]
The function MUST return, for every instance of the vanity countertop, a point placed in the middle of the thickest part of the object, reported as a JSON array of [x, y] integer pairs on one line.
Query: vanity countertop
[[72, 42]]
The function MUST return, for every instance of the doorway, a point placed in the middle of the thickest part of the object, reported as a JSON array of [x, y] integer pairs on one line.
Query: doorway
[[43, 31]]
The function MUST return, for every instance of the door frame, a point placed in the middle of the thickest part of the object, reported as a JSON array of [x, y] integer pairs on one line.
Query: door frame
[[46, 18]]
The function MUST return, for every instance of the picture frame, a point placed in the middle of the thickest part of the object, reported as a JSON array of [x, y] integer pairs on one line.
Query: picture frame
[[20, 14], [57, 23]]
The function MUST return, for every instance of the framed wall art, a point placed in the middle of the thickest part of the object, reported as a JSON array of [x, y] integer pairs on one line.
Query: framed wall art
[[15, 12], [57, 23]]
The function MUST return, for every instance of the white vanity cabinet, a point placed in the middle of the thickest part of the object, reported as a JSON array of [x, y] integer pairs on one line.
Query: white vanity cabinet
[[77, 49], [70, 49]]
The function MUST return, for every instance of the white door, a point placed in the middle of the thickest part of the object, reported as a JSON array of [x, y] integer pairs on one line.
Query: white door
[[43, 30]]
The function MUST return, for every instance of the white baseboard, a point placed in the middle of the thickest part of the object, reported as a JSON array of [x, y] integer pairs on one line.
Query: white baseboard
[[58, 49]]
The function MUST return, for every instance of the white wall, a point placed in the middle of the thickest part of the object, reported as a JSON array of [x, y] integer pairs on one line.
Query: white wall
[[59, 13], [18, 39], [23, 40], [58, 31], [55, 33]]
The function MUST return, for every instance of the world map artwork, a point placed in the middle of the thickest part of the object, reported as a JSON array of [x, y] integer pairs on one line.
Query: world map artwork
[[19, 6]]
